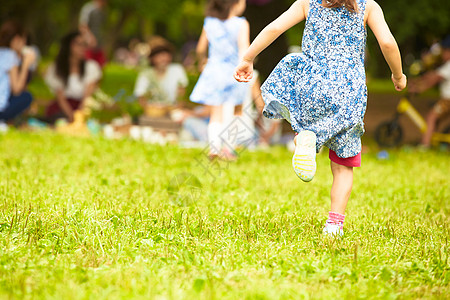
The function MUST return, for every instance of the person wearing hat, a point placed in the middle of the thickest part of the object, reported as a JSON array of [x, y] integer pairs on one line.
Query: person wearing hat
[[164, 82], [441, 77]]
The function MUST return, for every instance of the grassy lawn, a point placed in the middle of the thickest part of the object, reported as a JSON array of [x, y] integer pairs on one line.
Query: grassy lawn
[[99, 219]]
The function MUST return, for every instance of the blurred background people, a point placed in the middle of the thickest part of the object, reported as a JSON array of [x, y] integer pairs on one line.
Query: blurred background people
[[72, 78], [194, 130], [252, 129], [15, 61], [225, 35], [441, 77], [135, 55], [164, 82], [91, 25]]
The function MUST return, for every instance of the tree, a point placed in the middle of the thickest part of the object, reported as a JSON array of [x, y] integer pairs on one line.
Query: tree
[[415, 23]]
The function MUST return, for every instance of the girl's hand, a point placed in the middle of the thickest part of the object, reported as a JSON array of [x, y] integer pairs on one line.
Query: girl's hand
[[399, 83], [244, 71]]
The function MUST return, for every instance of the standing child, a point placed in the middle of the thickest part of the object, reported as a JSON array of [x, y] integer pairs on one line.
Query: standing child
[[322, 91], [227, 37]]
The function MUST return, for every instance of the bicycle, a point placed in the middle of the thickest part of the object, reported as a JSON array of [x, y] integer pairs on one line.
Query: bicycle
[[390, 133]]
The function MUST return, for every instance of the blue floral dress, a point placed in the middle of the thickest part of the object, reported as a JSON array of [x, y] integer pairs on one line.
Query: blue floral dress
[[216, 84], [323, 89]]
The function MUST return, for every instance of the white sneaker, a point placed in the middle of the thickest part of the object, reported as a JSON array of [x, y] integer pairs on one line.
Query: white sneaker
[[304, 159], [3, 127], [333, 230]]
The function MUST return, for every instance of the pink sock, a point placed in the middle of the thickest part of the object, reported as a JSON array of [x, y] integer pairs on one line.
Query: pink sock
[[335, 218]]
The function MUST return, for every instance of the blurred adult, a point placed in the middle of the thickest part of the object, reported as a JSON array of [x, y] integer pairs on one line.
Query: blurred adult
[[72, 77], [91, 25], [441, 77], [164, 82], [15, 61]]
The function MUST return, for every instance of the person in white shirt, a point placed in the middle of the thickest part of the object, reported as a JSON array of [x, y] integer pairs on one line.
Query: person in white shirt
[[164, 82], [72, 78], [439, 76]]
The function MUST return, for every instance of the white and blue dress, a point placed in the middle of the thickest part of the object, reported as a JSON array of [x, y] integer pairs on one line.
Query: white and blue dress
[[216, 85], [323, 89]]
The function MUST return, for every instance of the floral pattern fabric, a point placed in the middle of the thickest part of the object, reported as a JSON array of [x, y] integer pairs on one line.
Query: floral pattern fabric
[[216, 84], [323, 89]]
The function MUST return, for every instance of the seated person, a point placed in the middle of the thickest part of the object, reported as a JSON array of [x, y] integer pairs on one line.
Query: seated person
[[15, 62], [195, 125], [439, 76], [72, 78], [164, 82]]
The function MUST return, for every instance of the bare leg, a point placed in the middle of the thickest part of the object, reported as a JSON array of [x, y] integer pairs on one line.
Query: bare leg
[[432, 118], [216, 113], [214, 130], [230, 132], [341, 187]]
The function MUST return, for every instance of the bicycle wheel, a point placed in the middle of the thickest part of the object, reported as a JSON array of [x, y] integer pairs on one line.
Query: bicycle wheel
[[389, 134], [445, 145]]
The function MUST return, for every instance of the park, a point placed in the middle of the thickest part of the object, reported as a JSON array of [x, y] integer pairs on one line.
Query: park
[[90, 214]]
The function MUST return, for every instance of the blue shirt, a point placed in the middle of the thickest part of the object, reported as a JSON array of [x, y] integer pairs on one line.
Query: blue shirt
[[8, 60]]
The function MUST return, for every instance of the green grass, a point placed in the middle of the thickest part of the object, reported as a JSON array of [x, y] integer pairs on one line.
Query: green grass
[[99, 219]]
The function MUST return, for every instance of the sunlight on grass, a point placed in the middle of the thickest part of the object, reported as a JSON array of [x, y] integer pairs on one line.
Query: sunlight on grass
[[93, 218]]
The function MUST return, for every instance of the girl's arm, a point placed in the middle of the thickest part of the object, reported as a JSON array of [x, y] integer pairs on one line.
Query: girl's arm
[[18, 78], [294, 15], [202, 48], [244, 39], [388, 45], [90, 89]]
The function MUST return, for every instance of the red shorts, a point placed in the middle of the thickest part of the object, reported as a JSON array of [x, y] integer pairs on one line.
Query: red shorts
[[354, 161]]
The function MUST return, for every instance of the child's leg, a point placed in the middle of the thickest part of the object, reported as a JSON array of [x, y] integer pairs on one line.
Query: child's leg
[[439, 110], [341, 187], [342, 170], [215, 129], [230, 132]]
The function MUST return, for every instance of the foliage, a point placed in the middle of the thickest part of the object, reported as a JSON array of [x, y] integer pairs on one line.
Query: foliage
[[93, 218], [416, 24]]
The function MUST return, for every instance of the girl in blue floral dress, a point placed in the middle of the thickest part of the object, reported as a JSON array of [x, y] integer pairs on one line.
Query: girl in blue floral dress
[[322, 91], [226, 36]]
